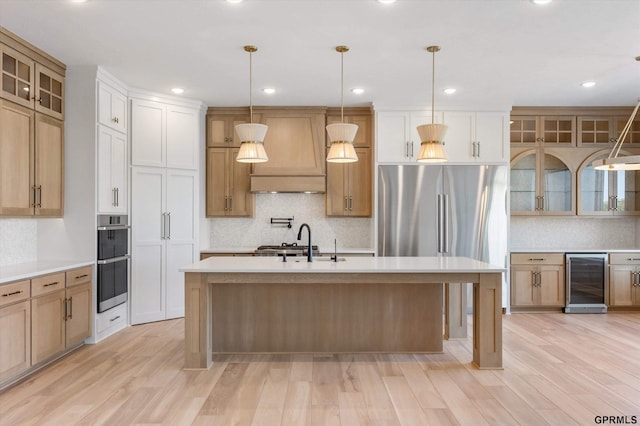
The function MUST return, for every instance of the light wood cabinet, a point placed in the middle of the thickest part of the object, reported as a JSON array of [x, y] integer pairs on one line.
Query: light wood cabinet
[[61, 312], [18, 75], [15, 329], [548, 130], [49, 98], [221, 123], [602, 127], [624, 280], [49, 166], [359, 116], [537, 280], [349, 187], [112, 107], [228, 184]]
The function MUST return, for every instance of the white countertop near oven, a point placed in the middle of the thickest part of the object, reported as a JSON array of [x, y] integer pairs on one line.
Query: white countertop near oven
[[23, 271]]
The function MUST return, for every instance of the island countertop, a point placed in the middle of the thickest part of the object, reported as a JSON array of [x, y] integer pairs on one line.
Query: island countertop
[[299, 264]]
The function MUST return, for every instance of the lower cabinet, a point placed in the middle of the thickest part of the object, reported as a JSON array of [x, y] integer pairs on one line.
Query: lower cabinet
[[624, 279], [537, 280], [41, 318]]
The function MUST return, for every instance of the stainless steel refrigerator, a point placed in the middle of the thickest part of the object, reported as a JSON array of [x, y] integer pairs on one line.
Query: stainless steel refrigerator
[[443, 210]]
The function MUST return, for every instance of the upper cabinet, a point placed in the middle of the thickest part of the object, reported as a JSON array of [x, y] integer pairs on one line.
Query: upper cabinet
[[476, 137], [601, 128], [164, 134], [397, 140], [31, 130], [112, 107], [221, 124], [603, 192], [547, 130]]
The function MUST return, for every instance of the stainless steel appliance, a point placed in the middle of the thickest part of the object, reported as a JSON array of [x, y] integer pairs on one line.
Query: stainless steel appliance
[[586, 283], [113, 261], [443, 210], [286, 249]]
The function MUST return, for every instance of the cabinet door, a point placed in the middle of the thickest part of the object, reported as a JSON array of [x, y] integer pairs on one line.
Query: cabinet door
[[595, 191], [393, 138], [627, 192], [78, 322], [556, 183], [557, 130], [336, 201], [523, 187], [18, 75], [49, 166], [16, 160], [551, 288], [148, 133], [240, 197], [49, 92], [490, 136], [112, 171], [595, 130], [460, 137], [523, 292], [181, 195], [15, 339], [112, 107], [363, 135], [221, 129], [47, 326], [359, 184], [523, 130], [148, 247], [182, 137], [621, 285], [216, 185]]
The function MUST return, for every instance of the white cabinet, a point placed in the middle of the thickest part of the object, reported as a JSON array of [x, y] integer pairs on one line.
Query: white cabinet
[[397, 140], [164, 233], [112, 107], [164, 135], [112, 171], [476, 136]]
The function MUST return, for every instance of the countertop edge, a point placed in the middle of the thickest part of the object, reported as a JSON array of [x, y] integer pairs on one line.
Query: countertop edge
[[21, 271]]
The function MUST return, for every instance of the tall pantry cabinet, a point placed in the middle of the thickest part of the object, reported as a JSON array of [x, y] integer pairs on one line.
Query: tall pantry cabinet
[[166, 136]]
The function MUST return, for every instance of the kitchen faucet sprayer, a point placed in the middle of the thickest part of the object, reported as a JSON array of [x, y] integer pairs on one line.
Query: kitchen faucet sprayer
[[309, 251]]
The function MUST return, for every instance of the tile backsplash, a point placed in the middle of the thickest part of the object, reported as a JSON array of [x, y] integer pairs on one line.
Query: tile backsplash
[[242, 233], [18, 241]]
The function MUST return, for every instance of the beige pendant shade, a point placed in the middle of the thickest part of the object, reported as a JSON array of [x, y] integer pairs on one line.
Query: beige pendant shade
[[251, 134], [342, 134], [251, 137], [432, 135], [432, 145]]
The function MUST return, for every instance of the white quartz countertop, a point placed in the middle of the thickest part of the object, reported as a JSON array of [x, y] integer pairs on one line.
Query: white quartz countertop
[[299, 264], [23, 271], [253, 249]]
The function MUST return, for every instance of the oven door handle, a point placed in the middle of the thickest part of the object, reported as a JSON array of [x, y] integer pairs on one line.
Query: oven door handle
[[113, 228], [113, 260]]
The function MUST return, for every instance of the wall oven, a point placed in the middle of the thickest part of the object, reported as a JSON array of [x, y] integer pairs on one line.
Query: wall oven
[[113, 261], [587, 283]]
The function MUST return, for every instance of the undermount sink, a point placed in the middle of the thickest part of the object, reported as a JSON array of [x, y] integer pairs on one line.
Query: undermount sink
[[299, 259]]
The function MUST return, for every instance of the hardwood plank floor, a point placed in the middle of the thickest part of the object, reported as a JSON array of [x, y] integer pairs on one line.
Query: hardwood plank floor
[[558, 370]]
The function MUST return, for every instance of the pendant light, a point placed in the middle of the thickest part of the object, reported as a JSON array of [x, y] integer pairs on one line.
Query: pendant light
[[342, 134], [431, 135], [628, 162], [251, 134]]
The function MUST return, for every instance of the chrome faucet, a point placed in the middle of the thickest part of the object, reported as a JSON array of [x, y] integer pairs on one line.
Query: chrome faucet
[[310, 250]]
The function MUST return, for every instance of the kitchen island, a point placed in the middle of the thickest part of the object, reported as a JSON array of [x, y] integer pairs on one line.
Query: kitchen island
[[367, 304]]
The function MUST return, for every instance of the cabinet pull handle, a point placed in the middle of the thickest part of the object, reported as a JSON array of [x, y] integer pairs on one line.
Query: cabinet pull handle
[[39, 203], [39, 100], [11, 294], [71, 307], [115, 120], [406, 149], [33, 193], [113, 197], [81, 276], [536, 259], [346, 207], [633, 258], [162, 227], [412, 149], [114, 318], [350, 202], [117, 197], [66, 308], [478, 144], [168, 226], [50, 284], [231, 203]]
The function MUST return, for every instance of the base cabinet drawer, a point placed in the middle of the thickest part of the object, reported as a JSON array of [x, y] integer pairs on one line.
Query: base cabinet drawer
[[113, 319], [537, 280]]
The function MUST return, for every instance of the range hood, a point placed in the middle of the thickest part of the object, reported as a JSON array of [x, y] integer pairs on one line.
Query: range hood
[[295, 144]]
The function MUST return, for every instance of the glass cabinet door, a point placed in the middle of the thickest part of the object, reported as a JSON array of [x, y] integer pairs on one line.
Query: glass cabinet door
[[17, 77], [557, 194], [627, 191], [595, 190], [523, 184]]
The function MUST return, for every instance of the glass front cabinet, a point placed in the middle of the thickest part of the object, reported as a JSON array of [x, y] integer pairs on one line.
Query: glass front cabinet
[[541, 184], [604, 192]]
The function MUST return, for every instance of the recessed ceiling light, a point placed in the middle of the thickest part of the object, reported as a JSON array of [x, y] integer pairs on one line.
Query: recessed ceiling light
[[269, 90], [588, 84], [234, 1], [177, 90], [449, 91], [386, 1], [357, 90], [541, 1], [78, 1]]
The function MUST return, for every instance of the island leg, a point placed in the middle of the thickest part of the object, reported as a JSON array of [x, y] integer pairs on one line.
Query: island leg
[[487, 321], [197, 321]]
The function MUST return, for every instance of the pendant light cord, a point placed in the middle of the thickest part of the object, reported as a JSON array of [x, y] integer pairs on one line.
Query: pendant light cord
[[342, 87], [251, 87], [433, 86]]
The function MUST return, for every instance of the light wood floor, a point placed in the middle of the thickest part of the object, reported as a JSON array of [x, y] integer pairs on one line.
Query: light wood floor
[[558, 369]]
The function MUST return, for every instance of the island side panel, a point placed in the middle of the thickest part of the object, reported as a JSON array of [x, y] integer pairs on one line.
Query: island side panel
[[326, 317], [455, 311], [487, 321], [197, 321]]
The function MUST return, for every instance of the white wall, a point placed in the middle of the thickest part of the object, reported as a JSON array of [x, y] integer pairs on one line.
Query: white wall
[[573, 233], [249, 233]]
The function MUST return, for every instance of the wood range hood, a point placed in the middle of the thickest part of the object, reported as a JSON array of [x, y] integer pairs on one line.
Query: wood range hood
[[295, 145]]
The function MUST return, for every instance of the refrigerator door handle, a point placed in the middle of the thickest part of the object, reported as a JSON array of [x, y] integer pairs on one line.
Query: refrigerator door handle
[[445, 223], [439, 225]]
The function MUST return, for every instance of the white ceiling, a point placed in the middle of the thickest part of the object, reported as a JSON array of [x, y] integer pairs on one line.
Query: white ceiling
[[497, 53]]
